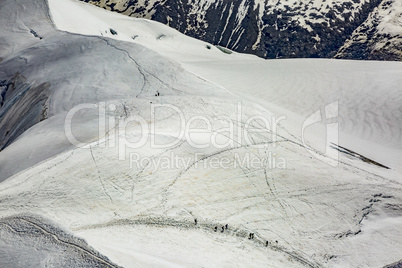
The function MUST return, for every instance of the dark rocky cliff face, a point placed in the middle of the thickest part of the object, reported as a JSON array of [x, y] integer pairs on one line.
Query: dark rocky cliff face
[[379, 37], [270, 28]]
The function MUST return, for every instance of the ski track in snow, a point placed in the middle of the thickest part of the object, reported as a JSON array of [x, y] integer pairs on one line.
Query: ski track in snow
[[140, 216]]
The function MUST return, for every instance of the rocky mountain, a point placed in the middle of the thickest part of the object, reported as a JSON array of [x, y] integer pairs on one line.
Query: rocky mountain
[[281, 28], [125, 143], [379, 37]]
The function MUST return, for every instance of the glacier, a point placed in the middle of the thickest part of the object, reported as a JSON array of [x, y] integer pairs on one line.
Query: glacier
[[81, 86]]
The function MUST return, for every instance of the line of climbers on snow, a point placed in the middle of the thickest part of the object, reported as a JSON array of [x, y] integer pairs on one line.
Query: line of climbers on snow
[[225, 227]]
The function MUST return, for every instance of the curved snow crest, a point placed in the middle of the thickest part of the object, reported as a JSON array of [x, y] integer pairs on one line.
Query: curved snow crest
[[80, 69], [268, 28], [361, 88], [154, 35], [323, 215], [29, 238]]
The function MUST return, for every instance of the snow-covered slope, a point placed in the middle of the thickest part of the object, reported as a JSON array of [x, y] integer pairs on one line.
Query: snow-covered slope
[[79, 70], [137, 205], [273, 28], [32, 241], [299, 86]]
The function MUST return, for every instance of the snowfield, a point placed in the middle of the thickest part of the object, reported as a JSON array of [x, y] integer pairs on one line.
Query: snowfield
[[105, 82]]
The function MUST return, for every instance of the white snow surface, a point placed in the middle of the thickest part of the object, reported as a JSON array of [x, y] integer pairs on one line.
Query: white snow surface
[[300, 86], [311, 213]]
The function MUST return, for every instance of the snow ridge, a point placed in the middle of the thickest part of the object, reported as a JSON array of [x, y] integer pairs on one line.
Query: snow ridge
[[275, 28]]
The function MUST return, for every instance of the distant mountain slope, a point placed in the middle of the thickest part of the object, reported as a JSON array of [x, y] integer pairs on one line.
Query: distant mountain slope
[[379, 37], [191, 157], [267, 28]]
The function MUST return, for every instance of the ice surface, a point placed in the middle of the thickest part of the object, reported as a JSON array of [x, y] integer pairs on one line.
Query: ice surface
[[311, 213]]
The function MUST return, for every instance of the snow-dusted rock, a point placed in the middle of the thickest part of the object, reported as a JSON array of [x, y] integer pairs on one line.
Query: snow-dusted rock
[[137, 205]]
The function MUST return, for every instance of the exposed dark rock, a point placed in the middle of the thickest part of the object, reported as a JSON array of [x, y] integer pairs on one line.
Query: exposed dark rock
[[394, 265], [278, 31], [371, 42], [20, 100]]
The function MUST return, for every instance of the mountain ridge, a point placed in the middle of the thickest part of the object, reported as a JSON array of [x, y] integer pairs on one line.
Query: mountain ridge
[[111, 162], [270, 28]]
